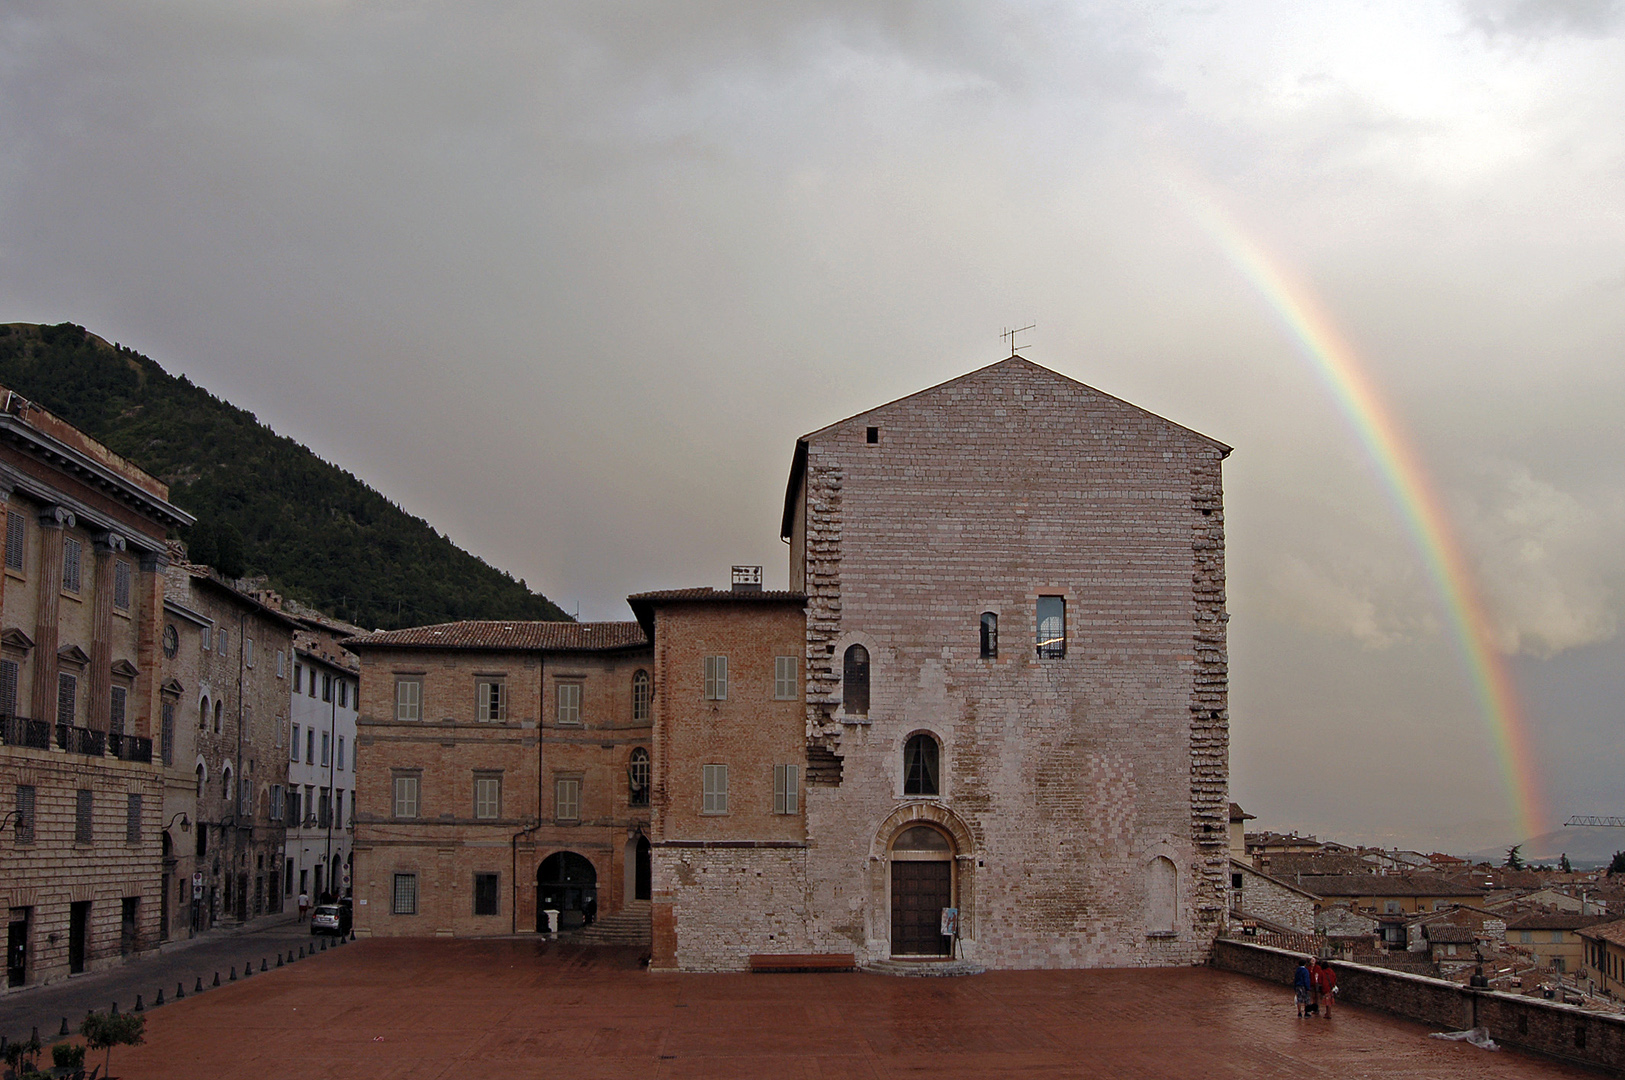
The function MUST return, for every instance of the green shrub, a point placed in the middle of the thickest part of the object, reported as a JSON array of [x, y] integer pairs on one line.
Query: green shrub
[[68, 1056]]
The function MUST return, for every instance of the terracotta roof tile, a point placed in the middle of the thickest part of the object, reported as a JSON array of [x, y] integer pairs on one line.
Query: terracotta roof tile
[[508, 634], [1558, 920], [1610, 931], [1381, 885]]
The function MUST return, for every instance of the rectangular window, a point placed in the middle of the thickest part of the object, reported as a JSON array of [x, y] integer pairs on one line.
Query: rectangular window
[[1526, 936], [84, 819], [9, 671], [67, 693], [716, 678], [220, 642], [486, 894], [324, 808], [72, 551], [248, 652], [25, 813], [339, 764], [167, 730], [491, 701], [245, 795], [295, 806], [786, 789], [408, 699], [406, 796], [298, 677], [121, 585], [327, 748], [487, 797], [118, 697], [567, 799], [281, 664], [310, 804], [1557, 937], [1052, 627], [784, 678], [132, 819], [207, 638], [714, 785], [278, 808], [311, 685], [310, 746], [16, 537], [294, 744], [344, 693], [338, 808], [990, 635], [406, 895], [569, 695], [327, 687]]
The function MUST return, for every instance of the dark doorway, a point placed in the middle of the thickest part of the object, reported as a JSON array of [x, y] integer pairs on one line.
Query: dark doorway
[[919, 892], [129, 913], [567, 883], [163, 909], [640, 878], [78, 933], [242, 897], [17, 948]]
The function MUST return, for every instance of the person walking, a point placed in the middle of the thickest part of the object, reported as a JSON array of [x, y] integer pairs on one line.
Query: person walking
[[304, 904], [1301, 987], [1327, 983]]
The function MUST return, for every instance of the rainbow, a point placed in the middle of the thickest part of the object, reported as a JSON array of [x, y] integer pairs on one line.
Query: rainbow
[[1407, 483]]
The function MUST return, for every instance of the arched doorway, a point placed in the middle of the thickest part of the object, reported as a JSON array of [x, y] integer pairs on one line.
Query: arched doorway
[[922, 884], [566, 883]]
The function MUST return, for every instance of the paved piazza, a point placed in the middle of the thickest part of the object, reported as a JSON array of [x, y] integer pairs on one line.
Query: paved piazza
[[402, 1009]]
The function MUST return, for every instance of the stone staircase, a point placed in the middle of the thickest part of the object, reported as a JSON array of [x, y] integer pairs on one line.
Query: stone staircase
[[924, 968], [629, 926]]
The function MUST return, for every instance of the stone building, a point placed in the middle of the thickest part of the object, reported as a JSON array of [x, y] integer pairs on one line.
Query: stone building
[[81, 605], [502, 771], [237, 712], [181, 647], [321, 763]]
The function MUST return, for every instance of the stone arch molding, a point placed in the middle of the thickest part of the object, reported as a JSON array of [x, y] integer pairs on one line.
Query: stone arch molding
[[921, 813]]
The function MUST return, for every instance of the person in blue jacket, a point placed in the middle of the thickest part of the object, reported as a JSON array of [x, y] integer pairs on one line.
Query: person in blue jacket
[[1301, 986]]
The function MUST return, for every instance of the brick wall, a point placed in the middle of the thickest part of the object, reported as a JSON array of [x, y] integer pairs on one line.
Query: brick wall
[[1265, 898]]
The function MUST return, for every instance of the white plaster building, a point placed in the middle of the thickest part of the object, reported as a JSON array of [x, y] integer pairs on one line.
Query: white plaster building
[[321, 767]]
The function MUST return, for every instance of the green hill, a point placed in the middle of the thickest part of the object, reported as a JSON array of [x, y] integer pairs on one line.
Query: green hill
[[264, 503]]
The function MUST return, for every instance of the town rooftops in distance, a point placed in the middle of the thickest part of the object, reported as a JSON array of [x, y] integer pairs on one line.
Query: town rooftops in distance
[[1383, 885], [508, 634]]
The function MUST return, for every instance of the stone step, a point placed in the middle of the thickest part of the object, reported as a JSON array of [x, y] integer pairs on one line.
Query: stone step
[[924, 968]]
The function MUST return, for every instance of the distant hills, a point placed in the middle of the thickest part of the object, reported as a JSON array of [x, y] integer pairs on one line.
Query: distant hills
[[265, 504], [1586, 846]]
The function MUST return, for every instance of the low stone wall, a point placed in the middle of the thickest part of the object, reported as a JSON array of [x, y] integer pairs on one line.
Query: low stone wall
[[1566, 1032]]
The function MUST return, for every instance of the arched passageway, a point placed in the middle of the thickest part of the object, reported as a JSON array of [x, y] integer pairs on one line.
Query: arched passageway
[[566, 883]]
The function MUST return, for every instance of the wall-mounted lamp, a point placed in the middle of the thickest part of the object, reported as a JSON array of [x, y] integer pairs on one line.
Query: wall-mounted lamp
[[186, 824], [19, 823]]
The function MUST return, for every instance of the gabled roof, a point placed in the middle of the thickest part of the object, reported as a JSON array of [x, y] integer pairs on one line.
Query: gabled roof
[[496, 634], [1449, 934], [1611, 932]]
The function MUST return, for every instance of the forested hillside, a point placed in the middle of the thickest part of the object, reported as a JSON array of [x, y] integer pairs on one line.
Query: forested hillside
[[264, 503]]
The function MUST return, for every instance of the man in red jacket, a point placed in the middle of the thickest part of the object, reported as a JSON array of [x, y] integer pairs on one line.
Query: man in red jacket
[[1325, 982]]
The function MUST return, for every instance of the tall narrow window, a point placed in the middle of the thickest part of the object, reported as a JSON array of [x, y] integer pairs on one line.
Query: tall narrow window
[[206, 638], [310, 746], [716, 678], [1052, 627], [67, 694], [25, 813], [84, 818], [9, 670], [118, 698], [132, 819], [298, 677], [167, 730], [281, 664], [569, 703], [785, 683], [16, 537], [567, 799], [405, 900], [714, 789], [920, 766], [855, 681], [491, 701], [248, 651], [219, 713], [408, 699], [72, 551], [221, 642], [294, 744], [327, 747], [344, 693], [487, 796], [121, 585], [327, 687], [339, 764], [637, 778], [406, 796], [786, 789], [990, 635], [641, 694]]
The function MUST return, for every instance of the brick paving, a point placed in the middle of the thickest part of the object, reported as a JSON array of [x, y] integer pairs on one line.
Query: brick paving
[[403, 1009]]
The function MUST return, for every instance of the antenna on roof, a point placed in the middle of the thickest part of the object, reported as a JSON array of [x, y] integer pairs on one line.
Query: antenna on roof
[[1011, 334]]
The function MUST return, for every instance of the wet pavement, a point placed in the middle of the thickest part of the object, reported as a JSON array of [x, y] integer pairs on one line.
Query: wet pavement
[[176, 963], [403, 1009]]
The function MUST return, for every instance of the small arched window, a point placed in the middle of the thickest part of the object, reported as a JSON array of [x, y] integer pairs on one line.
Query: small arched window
[[225, 784], [855, 681], [637, 777], [641, 694], [203, 715], [990, 635], [920, 772], [200, 773], [218, 710], [1161, 895]]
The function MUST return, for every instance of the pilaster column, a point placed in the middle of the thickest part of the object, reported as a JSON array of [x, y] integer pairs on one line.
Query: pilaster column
[[5, 507], [108, 546], [42, 700], [148, 601]]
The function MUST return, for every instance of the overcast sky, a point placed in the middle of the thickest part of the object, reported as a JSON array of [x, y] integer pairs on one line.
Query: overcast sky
[[567, 280]]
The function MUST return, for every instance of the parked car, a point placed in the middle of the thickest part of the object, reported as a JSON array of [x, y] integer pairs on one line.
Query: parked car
[[330, 919]]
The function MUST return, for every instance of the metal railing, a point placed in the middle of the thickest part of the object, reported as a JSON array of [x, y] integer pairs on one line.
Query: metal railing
[[130, 748], [21, 731], [78, 740]]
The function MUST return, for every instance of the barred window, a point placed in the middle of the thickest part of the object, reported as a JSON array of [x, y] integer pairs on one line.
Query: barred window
[[406, 796], [16, 538], [786, 789], [25, 813], [67, 694], [406, 895], [784, 678], [567, 799], [117, 699], [491, 701], [132, 819], [72, 551], [121, 585], [167, 732], [84, 818], [716, 678], [408, 698], [637, 778], [487, 797], [642, 693], [714, 789], [569, 695], [8, 687]]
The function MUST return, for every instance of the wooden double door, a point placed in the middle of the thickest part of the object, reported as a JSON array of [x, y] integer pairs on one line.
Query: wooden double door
[[919, 892]]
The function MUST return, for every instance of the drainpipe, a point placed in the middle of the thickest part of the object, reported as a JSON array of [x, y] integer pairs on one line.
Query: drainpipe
[[332, 754]]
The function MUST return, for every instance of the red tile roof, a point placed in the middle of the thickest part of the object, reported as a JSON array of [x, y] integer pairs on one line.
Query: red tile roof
[[1382, 885], [1613, 932], [509, 634], [1560, 920]]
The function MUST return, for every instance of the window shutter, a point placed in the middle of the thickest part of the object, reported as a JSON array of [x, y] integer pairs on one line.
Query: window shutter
[[84, 821], [67, 689], [16, 536], [115, 718], [167, 732], [8, 687], [132, 819], [121, 585]]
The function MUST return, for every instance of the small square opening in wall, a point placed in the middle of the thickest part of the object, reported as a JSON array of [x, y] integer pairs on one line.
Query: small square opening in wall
[[871, 435]]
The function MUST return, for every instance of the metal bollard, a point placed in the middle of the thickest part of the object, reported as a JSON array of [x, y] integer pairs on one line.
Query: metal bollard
[[138, 1007], [115, 1008], [160, 999], [180, 989], [64, 1030], [199, 988], [262, 964]]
